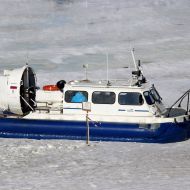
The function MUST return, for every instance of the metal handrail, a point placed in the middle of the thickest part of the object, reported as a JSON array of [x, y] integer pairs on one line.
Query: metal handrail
[[180, 100]]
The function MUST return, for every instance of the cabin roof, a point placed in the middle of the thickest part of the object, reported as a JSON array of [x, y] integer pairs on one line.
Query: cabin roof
[[105, 84]]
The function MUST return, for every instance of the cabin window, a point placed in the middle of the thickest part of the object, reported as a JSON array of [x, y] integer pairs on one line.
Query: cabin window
[[130, 98], [149, 98], [72, 96], [102, 97]]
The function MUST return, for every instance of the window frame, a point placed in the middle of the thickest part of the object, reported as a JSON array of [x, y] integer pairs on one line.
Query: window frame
[[131, 104], [87, 97], [104, 92]]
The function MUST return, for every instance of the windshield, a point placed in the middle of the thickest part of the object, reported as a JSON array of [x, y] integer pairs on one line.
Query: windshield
[[149, 98], [152, 96], [155, 95]]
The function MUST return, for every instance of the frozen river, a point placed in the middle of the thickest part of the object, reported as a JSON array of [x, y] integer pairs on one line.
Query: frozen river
[[56, 37], [71, 165]]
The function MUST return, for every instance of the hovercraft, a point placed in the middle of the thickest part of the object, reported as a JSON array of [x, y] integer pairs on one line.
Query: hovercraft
[[103, 110]]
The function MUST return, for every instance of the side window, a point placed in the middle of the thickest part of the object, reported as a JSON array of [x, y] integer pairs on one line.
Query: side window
[[72, 96], [103, 97], [130, 98]]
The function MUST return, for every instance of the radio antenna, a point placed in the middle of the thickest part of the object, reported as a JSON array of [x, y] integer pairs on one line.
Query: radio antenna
[[137, 75], [27, 57], [107, 67], [86, 71], [134, 61]]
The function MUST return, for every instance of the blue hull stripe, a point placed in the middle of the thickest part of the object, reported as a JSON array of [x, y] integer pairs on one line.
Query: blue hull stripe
[[105, 131]]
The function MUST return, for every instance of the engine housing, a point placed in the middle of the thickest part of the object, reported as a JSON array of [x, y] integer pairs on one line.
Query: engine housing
[[18, 90]]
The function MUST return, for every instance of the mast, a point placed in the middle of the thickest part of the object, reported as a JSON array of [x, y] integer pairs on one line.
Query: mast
[[134, 61], [137, 76]]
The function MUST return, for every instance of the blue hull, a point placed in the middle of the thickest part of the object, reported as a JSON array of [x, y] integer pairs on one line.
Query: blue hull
[[75, 130]]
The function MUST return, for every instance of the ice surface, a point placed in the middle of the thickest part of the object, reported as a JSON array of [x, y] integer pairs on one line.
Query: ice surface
[[57, 37], [28, 164]]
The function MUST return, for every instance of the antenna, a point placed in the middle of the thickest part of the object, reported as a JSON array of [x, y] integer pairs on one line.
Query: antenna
[[27, 57], [134, 61], [107, 67], [86, 73], [137, 75]]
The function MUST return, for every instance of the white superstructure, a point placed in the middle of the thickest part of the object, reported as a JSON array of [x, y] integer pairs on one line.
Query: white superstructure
[[133, 101], [109, 102]]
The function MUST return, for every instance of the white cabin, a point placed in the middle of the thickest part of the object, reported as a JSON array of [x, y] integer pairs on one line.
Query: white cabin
[[113, 99], [110, 101]]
